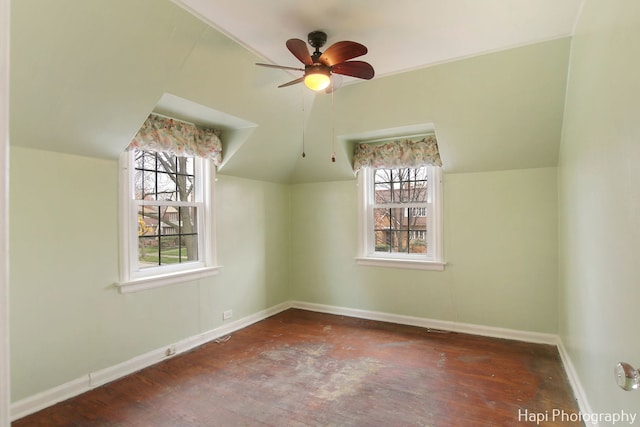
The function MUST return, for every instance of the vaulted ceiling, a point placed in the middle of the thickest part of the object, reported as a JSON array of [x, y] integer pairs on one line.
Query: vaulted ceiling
[[487, 75]]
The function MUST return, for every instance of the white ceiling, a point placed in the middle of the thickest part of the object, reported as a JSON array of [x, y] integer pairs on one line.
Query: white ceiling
[[401, 35]]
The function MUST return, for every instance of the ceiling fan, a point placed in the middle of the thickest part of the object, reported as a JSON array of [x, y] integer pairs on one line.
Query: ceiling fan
[[319, 66]]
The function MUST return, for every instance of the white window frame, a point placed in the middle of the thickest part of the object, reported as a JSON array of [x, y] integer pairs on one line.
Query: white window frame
[[132, 277], [433, 260]]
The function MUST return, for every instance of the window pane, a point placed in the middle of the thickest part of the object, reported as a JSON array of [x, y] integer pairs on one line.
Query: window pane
[[188, 220], [189, 247], [399, 227], [189, 233], [403, 185], [382, 193], [382, 218], [400, 230], [167, 235], [382, 226], [397, 241], [148, 236], [169, 250], [186, 188], [391, 228], [145, 185], [147, 220], [164, 176], [401, 213], [144, 160], [190, 166], [166, 186], [148, 255], [165, 162], [418, 241], [382, 241], [382, 175]]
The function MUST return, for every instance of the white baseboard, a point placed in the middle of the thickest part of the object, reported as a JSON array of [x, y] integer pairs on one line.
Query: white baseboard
[[49, 397], [576, 385], [37, 402], [92, 380], [468, 328]]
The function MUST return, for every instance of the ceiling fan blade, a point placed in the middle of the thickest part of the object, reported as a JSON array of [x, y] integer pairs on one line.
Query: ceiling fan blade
[[299, 50], [282, 67], [279, 66], [359, 69], [292, 82], [342, 51]]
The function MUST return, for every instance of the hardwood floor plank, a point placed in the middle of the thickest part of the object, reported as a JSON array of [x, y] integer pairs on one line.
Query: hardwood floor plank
[[301, 368]]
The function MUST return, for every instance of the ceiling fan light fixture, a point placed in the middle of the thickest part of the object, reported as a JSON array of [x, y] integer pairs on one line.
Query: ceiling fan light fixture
[[317, 79], [319, 67]]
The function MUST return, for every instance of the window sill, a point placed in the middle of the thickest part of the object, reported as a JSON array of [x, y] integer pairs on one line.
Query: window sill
[[401, 263], [144, 283]]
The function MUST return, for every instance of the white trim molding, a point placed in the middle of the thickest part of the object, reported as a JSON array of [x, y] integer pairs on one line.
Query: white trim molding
[[445, 325], [578, 391], [143, 283], [401, 263], [367, 254]]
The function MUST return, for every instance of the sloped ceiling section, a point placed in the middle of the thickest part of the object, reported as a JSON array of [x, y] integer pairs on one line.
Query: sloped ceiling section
[[236, 131], [497, 111], [85, 75]]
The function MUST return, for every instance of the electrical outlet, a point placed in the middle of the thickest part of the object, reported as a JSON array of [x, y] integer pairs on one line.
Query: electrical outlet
[[171, 351], [227, 314]]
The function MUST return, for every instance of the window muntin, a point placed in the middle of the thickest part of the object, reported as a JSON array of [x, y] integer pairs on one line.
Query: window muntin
[[401, 215]]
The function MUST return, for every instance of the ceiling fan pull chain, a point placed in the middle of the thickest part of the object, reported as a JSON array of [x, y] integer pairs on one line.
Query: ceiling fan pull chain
[[333, 130], [302, 97]]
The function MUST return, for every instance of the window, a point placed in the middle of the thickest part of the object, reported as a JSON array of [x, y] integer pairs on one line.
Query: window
[[401, 217], [167, 224], [167, 205]]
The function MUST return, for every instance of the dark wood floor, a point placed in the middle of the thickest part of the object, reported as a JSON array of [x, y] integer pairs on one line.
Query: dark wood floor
[[301, 368]]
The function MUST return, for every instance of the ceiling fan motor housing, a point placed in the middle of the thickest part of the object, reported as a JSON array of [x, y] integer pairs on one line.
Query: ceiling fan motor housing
[[317, 39]]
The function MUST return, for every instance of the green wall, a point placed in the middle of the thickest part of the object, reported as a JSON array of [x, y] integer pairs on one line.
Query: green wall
[[599, 216], [275, 242], [500, 245], [67, 318]]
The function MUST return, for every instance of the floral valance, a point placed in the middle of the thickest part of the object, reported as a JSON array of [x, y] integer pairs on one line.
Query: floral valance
[[397, 154], [179, 138]]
